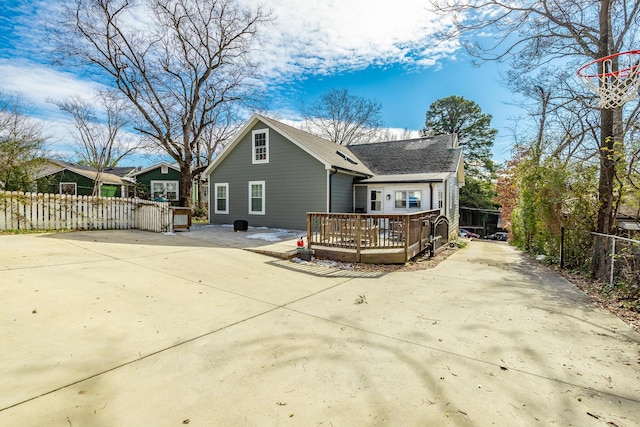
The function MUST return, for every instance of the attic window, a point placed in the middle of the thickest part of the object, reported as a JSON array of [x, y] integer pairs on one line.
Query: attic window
[[347, 158], [164, 169], [260, 146]]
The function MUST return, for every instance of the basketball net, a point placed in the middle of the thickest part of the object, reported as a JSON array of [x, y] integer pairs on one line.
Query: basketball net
[[614, 78]]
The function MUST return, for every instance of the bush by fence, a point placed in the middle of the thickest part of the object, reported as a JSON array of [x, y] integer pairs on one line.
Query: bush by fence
[[37, 211]]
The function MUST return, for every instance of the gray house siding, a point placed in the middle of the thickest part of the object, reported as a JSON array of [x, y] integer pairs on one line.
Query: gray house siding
[[342, 193], [295, 183]]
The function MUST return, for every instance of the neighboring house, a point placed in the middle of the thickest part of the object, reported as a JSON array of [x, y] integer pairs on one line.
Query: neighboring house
[[59, 177], [628, 221], [272, 174], [161, 180]]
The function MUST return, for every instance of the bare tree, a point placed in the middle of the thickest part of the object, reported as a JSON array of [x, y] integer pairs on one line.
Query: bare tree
[[212, 140], [344, 118], [100, 140], [534, 32], [176, 61], [22, 144], [386, 134]]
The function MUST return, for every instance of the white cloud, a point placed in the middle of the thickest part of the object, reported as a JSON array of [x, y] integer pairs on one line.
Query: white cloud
[[336, 35], [38, 83], [305, 38]]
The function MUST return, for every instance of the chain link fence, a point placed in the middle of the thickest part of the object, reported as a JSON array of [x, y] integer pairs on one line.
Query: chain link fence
[[576, 249]]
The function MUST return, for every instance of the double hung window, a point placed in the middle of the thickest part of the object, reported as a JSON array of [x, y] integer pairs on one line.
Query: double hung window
[[222, 198], [376, 201], [260, 146], [256, 198]]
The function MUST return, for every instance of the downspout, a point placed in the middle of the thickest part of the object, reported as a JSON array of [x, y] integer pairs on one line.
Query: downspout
[[431, 195], [335, 171]]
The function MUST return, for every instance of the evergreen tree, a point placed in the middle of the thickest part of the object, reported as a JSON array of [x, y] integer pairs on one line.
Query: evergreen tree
[[465, 118]]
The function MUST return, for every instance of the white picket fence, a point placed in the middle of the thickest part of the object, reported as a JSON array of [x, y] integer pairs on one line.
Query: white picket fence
[[42, 212]]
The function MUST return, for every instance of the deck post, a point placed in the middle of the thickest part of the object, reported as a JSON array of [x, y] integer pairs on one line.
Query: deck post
[[407, 227], [358, 227], [432, 236], [309, 230]]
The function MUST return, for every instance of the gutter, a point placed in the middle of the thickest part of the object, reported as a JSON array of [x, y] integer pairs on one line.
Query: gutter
[[335, 171], [431, 194]]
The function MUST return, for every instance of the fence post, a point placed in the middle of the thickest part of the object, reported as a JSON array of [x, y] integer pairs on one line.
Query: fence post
[[309, 217], [432, 238], [613, 258], [561, 247]]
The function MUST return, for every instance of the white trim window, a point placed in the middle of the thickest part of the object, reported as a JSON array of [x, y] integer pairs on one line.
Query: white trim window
[[256, 198], [222, 198], [440, 199], [260, 146], [166, 189], [70, 188], [408, 200], [376, 200]]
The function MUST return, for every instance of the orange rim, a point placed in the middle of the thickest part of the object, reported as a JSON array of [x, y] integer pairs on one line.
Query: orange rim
[[610, 73]]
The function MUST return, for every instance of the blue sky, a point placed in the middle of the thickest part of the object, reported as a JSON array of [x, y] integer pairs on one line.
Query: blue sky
[[375, 50]]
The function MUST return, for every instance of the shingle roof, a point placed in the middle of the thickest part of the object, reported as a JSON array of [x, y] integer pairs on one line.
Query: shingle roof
[[411, 156], [323, 149], [55, 166], [427, 157], [155, 166], [121, 171]]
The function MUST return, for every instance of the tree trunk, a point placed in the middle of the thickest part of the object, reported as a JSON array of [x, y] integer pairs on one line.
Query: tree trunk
[[96, 184], [607, 161], [201, 196], [605, 195], [186, 184]]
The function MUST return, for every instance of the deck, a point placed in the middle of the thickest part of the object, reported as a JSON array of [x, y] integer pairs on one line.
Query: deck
[[376, 238]]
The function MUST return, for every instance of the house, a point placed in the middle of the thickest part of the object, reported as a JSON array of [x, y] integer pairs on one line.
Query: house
[[272, 174], [161, 180], [411, 175], [628, 220], [60, 177]]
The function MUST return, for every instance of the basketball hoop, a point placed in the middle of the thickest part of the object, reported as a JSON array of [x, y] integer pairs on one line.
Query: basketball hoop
[[614, 78]]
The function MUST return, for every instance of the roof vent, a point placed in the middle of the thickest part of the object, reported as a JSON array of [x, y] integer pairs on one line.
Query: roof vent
[[347, 158]]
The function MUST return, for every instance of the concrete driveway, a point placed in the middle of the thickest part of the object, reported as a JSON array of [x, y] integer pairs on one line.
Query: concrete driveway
[[129, 328]]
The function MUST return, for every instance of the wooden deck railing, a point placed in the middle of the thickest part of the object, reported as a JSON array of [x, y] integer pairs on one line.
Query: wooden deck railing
[[375, 238]]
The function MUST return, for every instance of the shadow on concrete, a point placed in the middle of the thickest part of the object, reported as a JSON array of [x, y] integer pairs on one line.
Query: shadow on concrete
[[209, 236], [324, 271]]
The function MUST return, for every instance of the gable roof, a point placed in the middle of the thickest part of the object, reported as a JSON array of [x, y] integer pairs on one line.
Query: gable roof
[[332, 155], [410, 156], [412, 160], [121, 171], [156, 166], [54, 166]]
